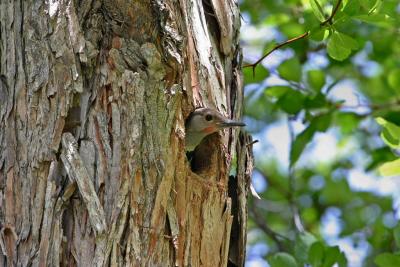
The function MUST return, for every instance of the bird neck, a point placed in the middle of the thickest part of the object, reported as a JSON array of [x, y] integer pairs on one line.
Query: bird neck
[[193, 139]]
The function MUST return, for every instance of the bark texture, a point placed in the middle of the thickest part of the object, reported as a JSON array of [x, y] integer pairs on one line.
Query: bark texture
[[93, 100]]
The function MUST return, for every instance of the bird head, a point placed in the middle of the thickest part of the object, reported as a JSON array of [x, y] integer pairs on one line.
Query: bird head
[[203, 122]]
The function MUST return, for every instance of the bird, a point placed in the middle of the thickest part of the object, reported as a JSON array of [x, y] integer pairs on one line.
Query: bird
[[203, 122]]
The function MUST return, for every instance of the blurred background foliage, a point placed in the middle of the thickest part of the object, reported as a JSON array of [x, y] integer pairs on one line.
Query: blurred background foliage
[[313, 105]]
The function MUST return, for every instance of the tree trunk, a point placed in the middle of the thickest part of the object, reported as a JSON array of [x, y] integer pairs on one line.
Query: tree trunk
[[93, 101]]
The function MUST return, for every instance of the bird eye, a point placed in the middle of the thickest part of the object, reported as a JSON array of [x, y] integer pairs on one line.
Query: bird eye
[[209, 117]]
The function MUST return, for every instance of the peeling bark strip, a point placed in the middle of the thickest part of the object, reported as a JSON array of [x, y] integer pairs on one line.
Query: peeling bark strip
[[93, 101], [76, 170]]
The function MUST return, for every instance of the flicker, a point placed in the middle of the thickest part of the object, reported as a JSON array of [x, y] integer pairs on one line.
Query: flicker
[[203, 122]]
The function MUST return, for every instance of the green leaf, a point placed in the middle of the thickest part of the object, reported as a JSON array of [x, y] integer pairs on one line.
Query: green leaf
[[396, 234], [322, 122], [276, 91], [347, 121], [316, 102], [259, 106], [377, 19], [300, 143], [260, 74], [316, 79], [311, 23], [379, 156], [390, 168], [302, 246], [318, 124], [394, 79], [351, 7], [291, 102], [369, 5], [389, 139], [336, 193], [345, 40], [340, 45], [277, 19], [387, 260], [316, 254], [373, 5], [390, 133], [292, 29], [282, 259], [342, 261], [317, 10], [290, 70], [318, 34], [332, 256], [336, 51]]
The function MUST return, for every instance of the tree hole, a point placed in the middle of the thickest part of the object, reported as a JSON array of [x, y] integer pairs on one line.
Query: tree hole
[[204, 159]]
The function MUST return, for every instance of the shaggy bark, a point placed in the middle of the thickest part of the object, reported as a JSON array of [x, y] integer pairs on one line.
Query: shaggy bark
[[93, 100]]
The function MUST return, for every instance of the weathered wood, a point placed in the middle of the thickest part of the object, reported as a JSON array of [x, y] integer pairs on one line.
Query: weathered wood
[[93, 100], [77, 172]]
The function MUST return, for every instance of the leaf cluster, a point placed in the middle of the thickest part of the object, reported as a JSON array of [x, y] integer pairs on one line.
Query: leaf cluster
[[358, 45]]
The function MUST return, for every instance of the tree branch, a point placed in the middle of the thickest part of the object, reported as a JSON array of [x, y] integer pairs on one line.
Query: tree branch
[[276, 237], [254, 65], [302, 36], [334, 11]]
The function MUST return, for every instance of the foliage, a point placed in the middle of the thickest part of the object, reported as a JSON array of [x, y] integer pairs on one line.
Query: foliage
[[356, 44], [391, 136]]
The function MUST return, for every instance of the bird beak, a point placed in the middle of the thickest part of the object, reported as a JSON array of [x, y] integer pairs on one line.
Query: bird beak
[[231, 123]]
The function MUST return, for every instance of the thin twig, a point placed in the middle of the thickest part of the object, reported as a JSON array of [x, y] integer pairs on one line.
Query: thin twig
[[254, 65], [333, 84], [252, 143], [334, 11], [302, 36]]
